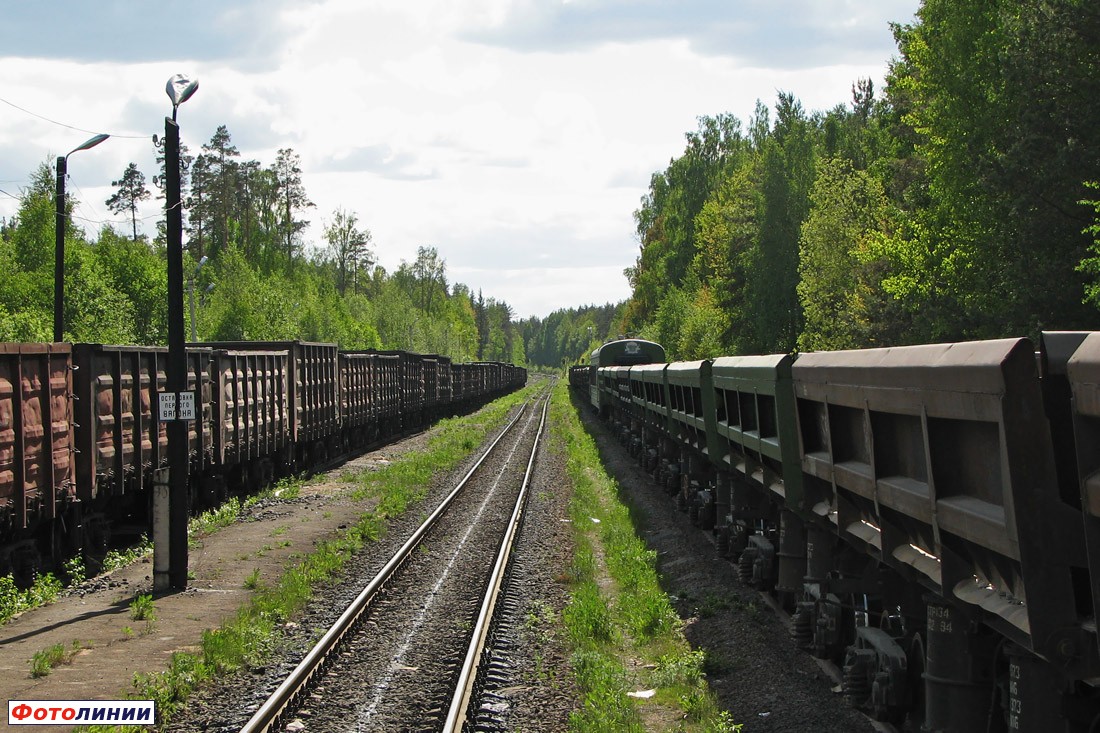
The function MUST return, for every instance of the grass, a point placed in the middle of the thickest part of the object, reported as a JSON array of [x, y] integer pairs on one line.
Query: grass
[[13, 600], [43, 662], [711, 603], [75, 570], [539, 624], [46, 587], [116, 559], [214, 519], [246, 640], [142, 608], [618, 615], [540, 614], [252, 582], [716, 664], [284, 489]]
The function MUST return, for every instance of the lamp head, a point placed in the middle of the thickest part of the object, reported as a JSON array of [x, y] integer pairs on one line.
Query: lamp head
[[180, 88], [90, 143]]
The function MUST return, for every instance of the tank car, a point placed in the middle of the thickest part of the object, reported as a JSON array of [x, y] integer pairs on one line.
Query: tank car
[[624, 352], [928, 514]]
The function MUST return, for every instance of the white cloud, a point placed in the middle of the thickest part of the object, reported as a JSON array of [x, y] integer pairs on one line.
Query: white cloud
[[516, 136], [526, 289], [772, 33]]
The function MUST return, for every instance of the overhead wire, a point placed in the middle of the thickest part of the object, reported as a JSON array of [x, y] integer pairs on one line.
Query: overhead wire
[[122, 220], [82, 200], [71, 127]]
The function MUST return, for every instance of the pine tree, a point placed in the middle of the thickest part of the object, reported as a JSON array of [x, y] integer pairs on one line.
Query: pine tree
[[131, 191], [292, 197], [222, 172]]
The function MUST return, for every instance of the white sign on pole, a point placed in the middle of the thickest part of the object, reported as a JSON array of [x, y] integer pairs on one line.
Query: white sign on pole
[[167, 406], [187, 406]]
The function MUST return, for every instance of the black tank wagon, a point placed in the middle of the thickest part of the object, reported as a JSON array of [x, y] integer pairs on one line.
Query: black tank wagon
[[625, 352], [928, 514]]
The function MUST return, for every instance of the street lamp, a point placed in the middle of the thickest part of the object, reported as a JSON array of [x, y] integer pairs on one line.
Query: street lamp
[[180, 88], [59, 237]]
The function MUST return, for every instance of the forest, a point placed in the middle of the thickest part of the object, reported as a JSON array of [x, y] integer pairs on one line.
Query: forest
[[959, 201], [956, 203], [567, 336], [250, 274]]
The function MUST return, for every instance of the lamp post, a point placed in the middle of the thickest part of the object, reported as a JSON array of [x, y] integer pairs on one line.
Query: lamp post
[[179, 89], [60, 219]]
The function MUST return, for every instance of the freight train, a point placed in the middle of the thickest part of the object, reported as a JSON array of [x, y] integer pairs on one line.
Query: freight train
[[928, 515], [80, 434]]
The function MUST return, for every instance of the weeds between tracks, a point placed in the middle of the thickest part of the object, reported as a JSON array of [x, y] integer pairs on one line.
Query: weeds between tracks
[[626, 636]]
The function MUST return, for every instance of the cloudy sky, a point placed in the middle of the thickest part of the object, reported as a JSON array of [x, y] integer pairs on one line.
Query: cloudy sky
[[515, 136]]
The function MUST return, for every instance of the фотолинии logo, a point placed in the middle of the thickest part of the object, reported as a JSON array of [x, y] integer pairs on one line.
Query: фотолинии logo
[[81, 712]]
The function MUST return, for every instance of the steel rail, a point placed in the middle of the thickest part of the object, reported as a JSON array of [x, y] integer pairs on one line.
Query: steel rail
[[464, 688], [269, 713]]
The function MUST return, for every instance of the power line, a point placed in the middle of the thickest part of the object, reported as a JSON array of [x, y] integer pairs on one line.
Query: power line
[[71, 127], [116, 222]]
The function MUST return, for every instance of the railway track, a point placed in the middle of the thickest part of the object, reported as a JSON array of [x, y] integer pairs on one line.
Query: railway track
[[406, 652]]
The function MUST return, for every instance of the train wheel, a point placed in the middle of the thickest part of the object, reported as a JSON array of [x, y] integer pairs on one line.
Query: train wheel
[[915, 681], [722, 541], [263, 473], [97, 542], [213, 491], [24, 563]]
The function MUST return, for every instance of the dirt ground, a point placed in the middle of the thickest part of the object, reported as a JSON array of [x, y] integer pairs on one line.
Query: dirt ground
[[110, 647]]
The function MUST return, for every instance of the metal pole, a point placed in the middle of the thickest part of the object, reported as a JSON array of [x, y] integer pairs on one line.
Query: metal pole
[[59, 252], [177, 364]]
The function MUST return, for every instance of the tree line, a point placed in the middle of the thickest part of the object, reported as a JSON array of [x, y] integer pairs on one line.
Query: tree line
[[568, 335], [953, 204], [248, 268]]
